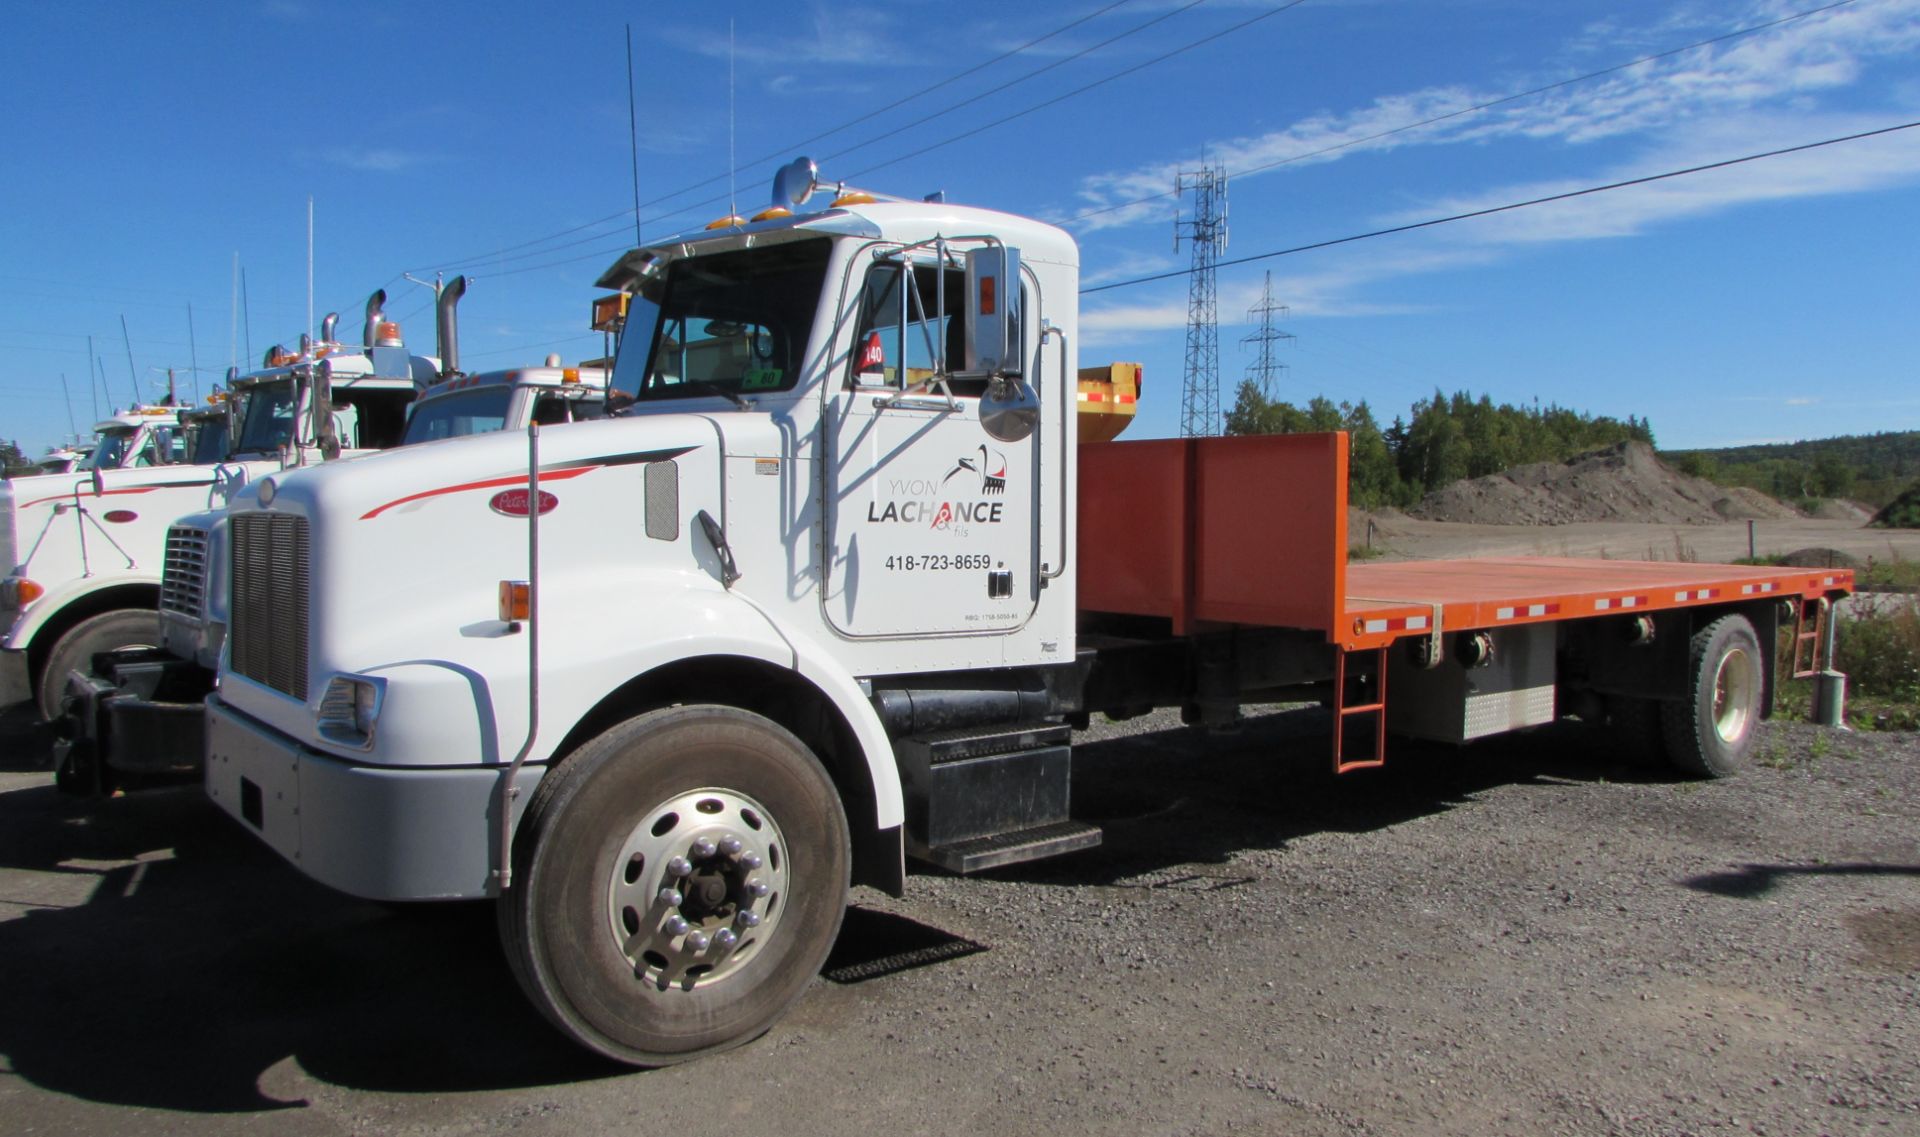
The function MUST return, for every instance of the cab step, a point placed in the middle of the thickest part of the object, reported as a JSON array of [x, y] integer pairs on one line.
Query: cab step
[[990, 795], [980, 853]]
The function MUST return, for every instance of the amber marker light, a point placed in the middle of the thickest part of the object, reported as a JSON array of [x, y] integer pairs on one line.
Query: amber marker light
[[516, 601]]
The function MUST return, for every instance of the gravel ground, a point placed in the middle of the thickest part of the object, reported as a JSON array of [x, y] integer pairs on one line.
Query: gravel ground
[[1521, 938]]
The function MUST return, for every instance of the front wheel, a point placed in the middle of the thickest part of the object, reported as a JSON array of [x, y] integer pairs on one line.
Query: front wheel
[[1710, 731], [677, 883], [74, 651]]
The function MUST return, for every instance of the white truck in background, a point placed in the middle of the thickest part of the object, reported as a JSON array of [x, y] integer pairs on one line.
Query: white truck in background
[[834, 590], [134, 718], [83, 551]]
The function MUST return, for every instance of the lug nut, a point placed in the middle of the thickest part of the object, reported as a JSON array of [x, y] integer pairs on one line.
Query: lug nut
[[747, 919], [677, 925], [670, 897], [697, 942], [703, 847], [731, 846], [758, 887], [724, 938], [679, 866], [752, 860]]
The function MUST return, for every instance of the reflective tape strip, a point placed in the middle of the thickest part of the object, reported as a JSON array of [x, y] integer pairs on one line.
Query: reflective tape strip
[[1696, 594], [1396, 624], [1606, 603], [1750, 589], [1529, 610]]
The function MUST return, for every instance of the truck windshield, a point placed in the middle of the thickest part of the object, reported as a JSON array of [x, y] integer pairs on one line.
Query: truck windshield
[[266, 422], [552, 409], [476, 410], [208, 441], [111, 450], [730, 324]]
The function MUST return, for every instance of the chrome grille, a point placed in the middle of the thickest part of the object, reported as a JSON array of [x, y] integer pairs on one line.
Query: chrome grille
[[269, 633], [183, 578]]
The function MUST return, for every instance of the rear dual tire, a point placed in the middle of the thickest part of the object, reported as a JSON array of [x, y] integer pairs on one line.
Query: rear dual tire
[[1710, 732]]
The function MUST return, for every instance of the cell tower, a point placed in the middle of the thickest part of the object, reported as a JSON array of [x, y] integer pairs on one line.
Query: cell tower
[[1206, 231], [1265, 369]]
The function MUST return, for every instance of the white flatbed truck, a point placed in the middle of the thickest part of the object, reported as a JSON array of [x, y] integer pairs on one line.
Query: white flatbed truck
[[833, 591]]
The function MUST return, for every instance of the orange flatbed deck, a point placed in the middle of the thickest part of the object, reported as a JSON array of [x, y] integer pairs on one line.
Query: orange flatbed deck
[[1253, 530], [1387, 601]]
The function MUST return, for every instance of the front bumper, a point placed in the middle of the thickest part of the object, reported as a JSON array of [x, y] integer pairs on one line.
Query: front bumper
[[137, 720], [379, 832]]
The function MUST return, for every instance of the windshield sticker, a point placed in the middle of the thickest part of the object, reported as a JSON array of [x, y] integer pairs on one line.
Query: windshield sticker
[[761, 378]]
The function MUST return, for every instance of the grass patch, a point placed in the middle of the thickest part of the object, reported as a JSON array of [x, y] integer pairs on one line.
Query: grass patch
[[1880, 653], [1896, 575], [1364, 552]]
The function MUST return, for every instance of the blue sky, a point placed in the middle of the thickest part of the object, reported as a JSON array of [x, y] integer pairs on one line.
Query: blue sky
[[150, 145]]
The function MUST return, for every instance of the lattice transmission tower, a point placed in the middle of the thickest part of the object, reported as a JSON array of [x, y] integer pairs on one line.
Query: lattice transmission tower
[[1206, 231], [1265, 369]]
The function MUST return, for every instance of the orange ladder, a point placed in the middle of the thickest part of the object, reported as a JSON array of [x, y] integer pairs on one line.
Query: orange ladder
[[1342, 710]]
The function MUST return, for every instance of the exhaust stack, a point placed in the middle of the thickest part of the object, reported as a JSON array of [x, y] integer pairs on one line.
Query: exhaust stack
[[447, 326], [327, 326], [374, 318]]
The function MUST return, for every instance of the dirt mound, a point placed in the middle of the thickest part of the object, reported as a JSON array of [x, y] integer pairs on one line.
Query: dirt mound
[[1902, 512], [1817, 557], [1840, 509], [1622, 483], [1744, 504]]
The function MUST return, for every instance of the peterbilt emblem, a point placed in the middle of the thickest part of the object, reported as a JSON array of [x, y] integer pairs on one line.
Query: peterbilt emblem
[[513, 503]]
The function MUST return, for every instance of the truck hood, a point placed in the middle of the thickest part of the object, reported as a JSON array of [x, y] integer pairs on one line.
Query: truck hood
[[414, 477]]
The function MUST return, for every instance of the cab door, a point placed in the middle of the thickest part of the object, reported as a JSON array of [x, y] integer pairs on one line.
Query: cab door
[[931, 522]]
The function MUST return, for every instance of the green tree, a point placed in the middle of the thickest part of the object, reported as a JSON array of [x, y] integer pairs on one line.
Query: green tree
[[14, 462]]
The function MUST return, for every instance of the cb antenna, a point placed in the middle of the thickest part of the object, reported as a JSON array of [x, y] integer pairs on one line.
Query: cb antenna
[[633, 139], [733, 207]]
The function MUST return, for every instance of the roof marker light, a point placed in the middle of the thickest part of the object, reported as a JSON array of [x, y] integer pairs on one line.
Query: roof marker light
[[773, 213]]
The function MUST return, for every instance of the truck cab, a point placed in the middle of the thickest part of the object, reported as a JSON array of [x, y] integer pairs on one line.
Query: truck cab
[[135, 719], [83, 551]]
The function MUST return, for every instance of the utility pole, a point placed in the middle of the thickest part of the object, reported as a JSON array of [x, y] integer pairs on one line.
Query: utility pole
[[1206, 231], [1265, 368]]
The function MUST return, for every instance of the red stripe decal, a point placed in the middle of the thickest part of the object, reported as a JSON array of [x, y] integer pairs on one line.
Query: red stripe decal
[[490, 483], [108, 493]]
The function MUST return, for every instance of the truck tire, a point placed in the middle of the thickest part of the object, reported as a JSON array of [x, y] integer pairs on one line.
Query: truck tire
[[74, 651], [1711, 730], [677, 883]]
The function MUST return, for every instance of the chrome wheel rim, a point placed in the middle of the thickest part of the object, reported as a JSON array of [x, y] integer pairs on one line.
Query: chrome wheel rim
[[696, 889], [1736, 692]]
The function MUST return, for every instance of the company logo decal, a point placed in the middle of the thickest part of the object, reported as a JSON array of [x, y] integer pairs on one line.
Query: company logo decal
[[513, 503], [965, 496]]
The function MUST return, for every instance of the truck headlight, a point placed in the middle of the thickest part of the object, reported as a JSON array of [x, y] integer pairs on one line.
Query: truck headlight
[[349, 710]]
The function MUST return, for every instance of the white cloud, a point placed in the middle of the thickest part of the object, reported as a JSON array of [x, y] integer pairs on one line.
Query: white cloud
[[377, 160], [1869, 164], [1740, 86]]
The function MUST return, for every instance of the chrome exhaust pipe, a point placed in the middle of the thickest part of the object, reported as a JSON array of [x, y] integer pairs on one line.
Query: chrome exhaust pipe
[[446, 325], [374, 317]]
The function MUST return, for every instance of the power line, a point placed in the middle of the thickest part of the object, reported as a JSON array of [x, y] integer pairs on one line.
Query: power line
[[1510, 206], [1477, 107], [1077, 91], [622, 215]]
